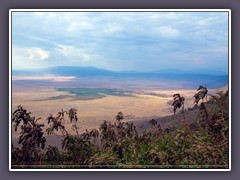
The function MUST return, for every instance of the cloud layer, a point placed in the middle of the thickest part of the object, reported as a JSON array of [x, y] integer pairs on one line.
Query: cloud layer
[[121, 41]]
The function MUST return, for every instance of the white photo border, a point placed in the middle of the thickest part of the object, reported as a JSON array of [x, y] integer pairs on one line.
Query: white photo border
[[116, 10]]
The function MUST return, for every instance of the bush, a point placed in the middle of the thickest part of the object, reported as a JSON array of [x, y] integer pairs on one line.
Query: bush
[[202, 144]]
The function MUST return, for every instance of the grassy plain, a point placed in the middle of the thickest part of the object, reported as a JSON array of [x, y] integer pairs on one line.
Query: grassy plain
[[140, 104]]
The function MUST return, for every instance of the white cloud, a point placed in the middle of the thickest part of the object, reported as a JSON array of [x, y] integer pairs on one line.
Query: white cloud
[[209, 21], [69, 51], [36, 54], [63, 49], [86, 58], [74, 54], [28, 58], [167, 32], [112, 28], [78, 26]]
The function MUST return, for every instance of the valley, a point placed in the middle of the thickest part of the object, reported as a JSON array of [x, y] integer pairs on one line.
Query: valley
[[98, 99]]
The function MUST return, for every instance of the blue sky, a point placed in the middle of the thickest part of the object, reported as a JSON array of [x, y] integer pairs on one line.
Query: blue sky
[[121, 41]]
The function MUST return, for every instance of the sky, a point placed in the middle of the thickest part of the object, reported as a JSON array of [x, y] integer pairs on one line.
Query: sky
[[121, 41]]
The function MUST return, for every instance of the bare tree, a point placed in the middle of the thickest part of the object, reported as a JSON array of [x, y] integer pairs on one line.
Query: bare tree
[[119, 116], [201, 94], [178, 101], [72, 113]]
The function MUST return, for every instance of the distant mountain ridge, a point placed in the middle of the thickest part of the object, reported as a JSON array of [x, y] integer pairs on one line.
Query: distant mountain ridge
[[170, 76], [92, 71], [200, 71], [63, 71]]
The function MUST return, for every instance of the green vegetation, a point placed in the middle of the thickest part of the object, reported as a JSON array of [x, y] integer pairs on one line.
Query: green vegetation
[[94, 93], [201, 144]]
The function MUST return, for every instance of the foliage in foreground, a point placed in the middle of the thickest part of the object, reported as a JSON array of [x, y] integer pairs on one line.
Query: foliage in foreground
[[202, 144]]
